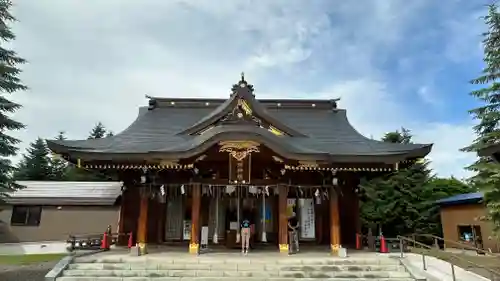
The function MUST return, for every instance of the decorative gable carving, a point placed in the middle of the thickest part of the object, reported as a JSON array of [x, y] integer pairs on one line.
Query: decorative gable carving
[[242, 109]]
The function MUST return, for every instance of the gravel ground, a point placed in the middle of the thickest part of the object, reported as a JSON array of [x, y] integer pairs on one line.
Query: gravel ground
[[30, 272]]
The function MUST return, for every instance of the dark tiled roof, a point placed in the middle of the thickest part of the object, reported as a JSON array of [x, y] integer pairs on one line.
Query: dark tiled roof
[[327, 131], [466, 198], [314, 129]]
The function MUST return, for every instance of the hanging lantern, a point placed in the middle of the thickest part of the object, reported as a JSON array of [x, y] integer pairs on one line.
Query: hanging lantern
[[335, 181], [317, 195]]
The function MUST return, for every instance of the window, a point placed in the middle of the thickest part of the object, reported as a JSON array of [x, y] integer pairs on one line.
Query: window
[[26, 215], [469, 233]]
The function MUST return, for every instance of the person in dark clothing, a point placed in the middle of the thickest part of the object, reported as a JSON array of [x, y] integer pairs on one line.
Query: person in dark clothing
[[293, 239]]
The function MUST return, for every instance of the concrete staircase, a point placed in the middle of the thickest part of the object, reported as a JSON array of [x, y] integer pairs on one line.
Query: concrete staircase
[[235, 269]]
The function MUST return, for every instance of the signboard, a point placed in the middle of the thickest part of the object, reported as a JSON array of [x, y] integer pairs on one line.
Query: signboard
[[307, 222], [204, 236], [267, 211], [290, 203], [186, 233]]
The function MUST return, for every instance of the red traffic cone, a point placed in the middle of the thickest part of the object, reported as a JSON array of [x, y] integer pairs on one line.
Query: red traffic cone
[[358, 241], [104, 242], [130, 240], [383, 245]]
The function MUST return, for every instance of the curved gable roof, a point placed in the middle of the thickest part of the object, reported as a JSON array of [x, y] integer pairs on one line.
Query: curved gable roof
[[312, 127], [241, 91]]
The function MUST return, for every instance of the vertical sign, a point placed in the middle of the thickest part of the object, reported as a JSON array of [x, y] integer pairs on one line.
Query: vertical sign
[[307, 223], [186, 235], [290, 203]]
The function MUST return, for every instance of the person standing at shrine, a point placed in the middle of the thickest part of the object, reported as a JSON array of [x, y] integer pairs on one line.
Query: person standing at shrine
[[293, 236], [245, 234]]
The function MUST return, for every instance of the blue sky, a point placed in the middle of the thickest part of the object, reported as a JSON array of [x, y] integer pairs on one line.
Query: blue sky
[[393, 63]]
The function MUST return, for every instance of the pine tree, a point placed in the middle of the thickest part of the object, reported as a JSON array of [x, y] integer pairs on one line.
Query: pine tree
[[36, 164], [9, 83], [394, 202], [487, 177], [404, 202], [110, 134], [59, 166], [98, 132], [398, 137]]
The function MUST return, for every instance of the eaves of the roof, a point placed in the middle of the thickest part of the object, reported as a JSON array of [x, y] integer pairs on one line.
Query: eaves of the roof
[[492, 150], [65, 193], [158, 131]]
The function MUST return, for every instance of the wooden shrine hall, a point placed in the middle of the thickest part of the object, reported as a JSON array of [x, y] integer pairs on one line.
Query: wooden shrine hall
[[193, 168]]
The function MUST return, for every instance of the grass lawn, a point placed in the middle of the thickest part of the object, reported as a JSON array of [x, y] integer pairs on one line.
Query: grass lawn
[[29, 259], [469, 262]]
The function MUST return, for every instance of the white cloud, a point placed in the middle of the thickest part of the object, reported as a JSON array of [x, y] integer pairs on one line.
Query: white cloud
[[428, 96], [94, 61], [375, 113]]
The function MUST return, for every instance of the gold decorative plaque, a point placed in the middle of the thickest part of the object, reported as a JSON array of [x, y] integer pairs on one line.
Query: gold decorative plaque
[[239, 150]]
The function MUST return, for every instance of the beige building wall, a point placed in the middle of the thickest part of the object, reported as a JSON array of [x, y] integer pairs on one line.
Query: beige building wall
[[57, 224], [468, 214]]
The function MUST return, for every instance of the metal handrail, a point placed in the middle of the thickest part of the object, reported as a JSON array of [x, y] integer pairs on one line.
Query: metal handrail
[[462, 245], [494, 273]]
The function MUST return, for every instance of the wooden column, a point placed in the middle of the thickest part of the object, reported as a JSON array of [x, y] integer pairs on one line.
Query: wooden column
[[122, 239], [194, 244], [357, 218], [162, 222], [334, 222], [142, 229], [283, 219]]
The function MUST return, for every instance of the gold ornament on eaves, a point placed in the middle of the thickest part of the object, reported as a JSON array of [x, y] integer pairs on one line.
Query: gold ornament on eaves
[[239, 150]]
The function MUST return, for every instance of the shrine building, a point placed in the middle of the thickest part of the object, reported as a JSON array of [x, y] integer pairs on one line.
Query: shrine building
[[194, 168], [493, 151]]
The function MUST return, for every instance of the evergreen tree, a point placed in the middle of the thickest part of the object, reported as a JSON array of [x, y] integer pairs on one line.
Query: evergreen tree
[[394, 203], [59, 166], [404, 202], [9, 83], [487, 177], [36, 164], [110, 134], [398, 137], [98, 132]]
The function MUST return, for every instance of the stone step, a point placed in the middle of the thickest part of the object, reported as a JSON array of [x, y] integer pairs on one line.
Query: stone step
[[234, 266], [240, 260], [70, 278], [237, 274]]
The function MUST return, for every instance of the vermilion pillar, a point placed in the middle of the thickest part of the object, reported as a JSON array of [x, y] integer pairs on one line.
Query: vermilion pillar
[[334, 222], [142, 228], [283, 219], [194, 244]]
